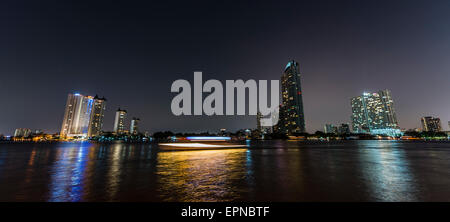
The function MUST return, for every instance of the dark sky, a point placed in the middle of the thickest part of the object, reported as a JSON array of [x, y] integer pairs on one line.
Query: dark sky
[[131, 52]]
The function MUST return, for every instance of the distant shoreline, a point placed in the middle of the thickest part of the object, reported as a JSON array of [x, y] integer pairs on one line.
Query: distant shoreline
[[155, 142]]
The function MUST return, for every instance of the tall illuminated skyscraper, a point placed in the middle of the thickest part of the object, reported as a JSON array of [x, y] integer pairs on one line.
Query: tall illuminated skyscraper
[[97, 114], [374, 113], [119, 122], [134, 125], [293, 118], [77, 116]]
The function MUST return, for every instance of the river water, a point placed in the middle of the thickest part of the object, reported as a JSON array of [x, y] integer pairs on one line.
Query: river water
[[265, 171]]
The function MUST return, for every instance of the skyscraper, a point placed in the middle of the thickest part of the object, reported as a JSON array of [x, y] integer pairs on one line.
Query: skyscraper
[[22, 132], [279, 127], [374, 113], [258, 121], [293, 119], [134, 125], [330, 128], [431, 124], [344, 128], [77, 115], [119, 122], [97, 114]]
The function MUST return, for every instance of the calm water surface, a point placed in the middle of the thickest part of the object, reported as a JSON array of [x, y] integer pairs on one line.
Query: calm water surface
[[266, 171]]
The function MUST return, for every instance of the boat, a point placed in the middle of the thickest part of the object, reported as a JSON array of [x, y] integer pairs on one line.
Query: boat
[[202, 143]]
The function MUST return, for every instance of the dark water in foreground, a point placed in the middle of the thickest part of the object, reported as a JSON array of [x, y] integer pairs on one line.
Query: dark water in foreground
[[267, 171]]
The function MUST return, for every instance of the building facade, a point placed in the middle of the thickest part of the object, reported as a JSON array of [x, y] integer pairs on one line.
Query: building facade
[[97, 116], [77, 116], [134, 125], [344, 128], [119, 121], [22, 132], [374, 113], [292, 119], [258, 121], [330, 128], [431, 124], [279, 127]]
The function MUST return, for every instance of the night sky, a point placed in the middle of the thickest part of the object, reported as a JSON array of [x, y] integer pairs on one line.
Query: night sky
[[131, 52]]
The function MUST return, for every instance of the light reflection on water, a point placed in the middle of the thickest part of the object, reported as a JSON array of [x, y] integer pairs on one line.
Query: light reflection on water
[[266, 171], [386, 171], [114, 171], [67, 173], [207, 175]]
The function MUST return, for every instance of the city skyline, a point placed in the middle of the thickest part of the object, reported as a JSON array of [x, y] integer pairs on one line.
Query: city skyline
[[224, 110], [83, 116], [91, 121], [131, 55]]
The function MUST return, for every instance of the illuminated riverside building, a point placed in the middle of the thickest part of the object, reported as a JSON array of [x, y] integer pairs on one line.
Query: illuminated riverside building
[[344, 128], [119, 121], [260, 129], [258, 121], [431, 124], [97, 115], [292, 119], [330, 128], [279, 127], [22, 132], [77, 116], [374, 113], [134, 125]]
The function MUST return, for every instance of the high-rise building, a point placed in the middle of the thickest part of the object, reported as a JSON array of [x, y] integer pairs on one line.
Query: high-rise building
[[119, 122], [330, 128], [431, 124], [344, 128], [258, 121], [77, 115], [134, 125], [279, 127], [22, 132], [292, 116], [260, 127], [374, 113], [97, 115], [262, 130]]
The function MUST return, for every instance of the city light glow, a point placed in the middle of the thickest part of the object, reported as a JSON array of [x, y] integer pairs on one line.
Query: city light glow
[[208, 138], [201, 145]]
